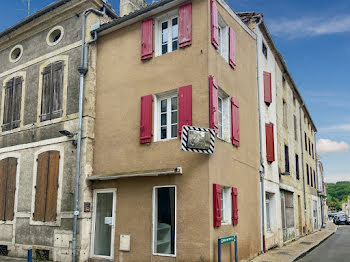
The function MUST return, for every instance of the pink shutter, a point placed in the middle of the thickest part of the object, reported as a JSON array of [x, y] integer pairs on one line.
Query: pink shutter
[[185, 106], [147, 39], [232, 47], [235, 121], [146, 119], [217, 205], [270, 144], [267, 88], [213, 103], [214, 24], [234, 195], [185, 25]]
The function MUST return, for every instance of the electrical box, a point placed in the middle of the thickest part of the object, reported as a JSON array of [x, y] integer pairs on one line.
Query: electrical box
[[124, 243]]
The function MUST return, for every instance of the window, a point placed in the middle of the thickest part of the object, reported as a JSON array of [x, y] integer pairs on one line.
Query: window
[[297, 166], [305, 141], [55, 35], [226, 205], [220, 116], [264, 49], [311, 176], [312, 147], [308, 176], [295, 128], [284, 113], [8, 169], [223, 116], [167, 116], [164, 220], [309, 147], [52, 91], [286, 159], [12, 104], [223, 38], [167, 33], [268, 211], [46, 187], [16, 53]]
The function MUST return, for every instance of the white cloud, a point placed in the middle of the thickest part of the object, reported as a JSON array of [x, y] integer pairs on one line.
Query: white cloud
[[344, 127], [336, 178], [329, 146], [310, 26]]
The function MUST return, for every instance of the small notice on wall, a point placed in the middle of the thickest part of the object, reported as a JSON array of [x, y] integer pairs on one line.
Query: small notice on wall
[[124, 243]]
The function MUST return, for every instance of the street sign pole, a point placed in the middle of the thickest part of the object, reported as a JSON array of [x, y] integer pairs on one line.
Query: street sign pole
[[225, 240]]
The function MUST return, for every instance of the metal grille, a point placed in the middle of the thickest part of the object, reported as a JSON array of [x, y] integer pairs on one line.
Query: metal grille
[[42, 254], [3, 250]]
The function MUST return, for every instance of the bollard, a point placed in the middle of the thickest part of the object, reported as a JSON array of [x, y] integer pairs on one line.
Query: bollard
[[30, 254]]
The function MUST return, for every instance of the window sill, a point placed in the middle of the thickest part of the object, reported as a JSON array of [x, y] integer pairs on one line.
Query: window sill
[[165, 140], [5, 222], [226, 224], [163, 255]]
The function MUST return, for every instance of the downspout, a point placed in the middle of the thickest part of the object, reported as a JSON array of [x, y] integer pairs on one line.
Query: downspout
[[302, 161], [262, 169], [82, 71]]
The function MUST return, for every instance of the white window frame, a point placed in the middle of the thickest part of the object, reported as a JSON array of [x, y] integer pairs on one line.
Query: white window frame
[[158, 31], [154, 222], [268, 214], [222, 38], [92, 247], [225, 135], [157, 115], [226, 205]]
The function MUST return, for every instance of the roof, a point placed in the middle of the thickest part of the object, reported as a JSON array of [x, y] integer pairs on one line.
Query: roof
[[253, 17]]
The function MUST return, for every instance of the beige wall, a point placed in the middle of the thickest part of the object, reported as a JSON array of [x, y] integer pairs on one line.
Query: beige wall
[[122, 78]]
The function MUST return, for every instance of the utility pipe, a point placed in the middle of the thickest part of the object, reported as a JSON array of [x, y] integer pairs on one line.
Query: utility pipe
[[82, 71]]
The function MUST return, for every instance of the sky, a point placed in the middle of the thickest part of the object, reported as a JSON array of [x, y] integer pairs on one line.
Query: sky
[[314, 39]]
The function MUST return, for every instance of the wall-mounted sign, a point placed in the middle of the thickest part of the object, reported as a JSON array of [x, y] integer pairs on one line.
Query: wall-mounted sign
[[197, 139], [87, 207]]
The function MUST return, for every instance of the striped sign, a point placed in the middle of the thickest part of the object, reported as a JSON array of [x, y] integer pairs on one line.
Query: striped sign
[[197, 139]]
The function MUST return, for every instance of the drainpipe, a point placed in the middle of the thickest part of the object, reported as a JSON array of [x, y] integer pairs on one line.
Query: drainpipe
[[262, 169], [82, 71], [302, 160]]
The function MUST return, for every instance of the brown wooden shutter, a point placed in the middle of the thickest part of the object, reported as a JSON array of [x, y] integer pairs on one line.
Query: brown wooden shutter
[[16, 104], [8, 106], [52, 186], [46, 94], [3, 178], [11, 187], [267, 88], [57, 90], [270, 142], [41, 185]]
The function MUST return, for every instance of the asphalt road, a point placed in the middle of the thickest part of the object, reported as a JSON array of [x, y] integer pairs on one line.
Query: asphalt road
[[334, 249]]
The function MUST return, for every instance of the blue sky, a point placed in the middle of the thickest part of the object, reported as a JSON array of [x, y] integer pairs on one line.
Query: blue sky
[[314, 38]]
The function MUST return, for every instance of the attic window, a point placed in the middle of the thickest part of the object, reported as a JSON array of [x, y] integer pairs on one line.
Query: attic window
[[264, 49], [55, 35], [16, 53]]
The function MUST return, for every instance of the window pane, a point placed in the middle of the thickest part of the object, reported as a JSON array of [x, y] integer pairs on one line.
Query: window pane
[[163, 105], [163, 132], [174, 103], [174, 130], [164, 37], [164, 49], [163, 119], [165, 220], [174, 117], [174, 34]]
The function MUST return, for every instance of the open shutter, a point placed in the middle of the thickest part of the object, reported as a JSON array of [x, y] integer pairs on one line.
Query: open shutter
[[46, 94], [40, 187], [3, 178], [235, 121], [232, 47], [213, 104], [146, 119], [52, 186], [147, 39], [57, 90], [217, 204], [234, 195], [16, 116], [7, 117], [270, 144], [11, 188], [185, 25], [267, 88], [185, 106], [214, 24]]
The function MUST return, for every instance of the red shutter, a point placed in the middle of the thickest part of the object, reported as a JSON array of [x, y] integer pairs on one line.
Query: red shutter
[[185, 25], [232, 47], [146, 119], [267, 88], [235, 121], [213, 103], [234, 195], [147, 39], [214, 24], [185, 106], [217, 204], [270, 144]]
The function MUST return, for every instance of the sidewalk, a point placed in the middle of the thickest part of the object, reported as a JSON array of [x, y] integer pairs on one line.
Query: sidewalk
[[298, 248]]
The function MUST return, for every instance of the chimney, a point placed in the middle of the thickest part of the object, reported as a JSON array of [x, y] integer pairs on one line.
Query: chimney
[[129, 6]]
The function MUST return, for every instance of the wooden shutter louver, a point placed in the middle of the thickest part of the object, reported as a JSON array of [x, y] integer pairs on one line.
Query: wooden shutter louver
[[146, 119], [185, 106], [46, 94], [267, 88], [8, 170], [12, 104], [185, 25], [57, 90], [270, 144], [235, 121], [217, 205], [147, 39], [3, 178], [17, 99], [52, 186], [213, 104], [214, 21], [232, 47], [234, 194], [7, 116]]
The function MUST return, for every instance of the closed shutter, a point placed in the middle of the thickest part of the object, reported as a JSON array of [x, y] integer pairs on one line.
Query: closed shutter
[[235, 121], [234, 195], [3, 178], [232, 47], [41, 186], [295, 127], [57, 90], [147, 39], [267, 88], [17, 99], [217, 205], [214, 24], [185, 25], [185, 106], [213, 104], [46, 94], [270, 144], [52, 186], [146, 119], [11, 187], [7, 117]]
